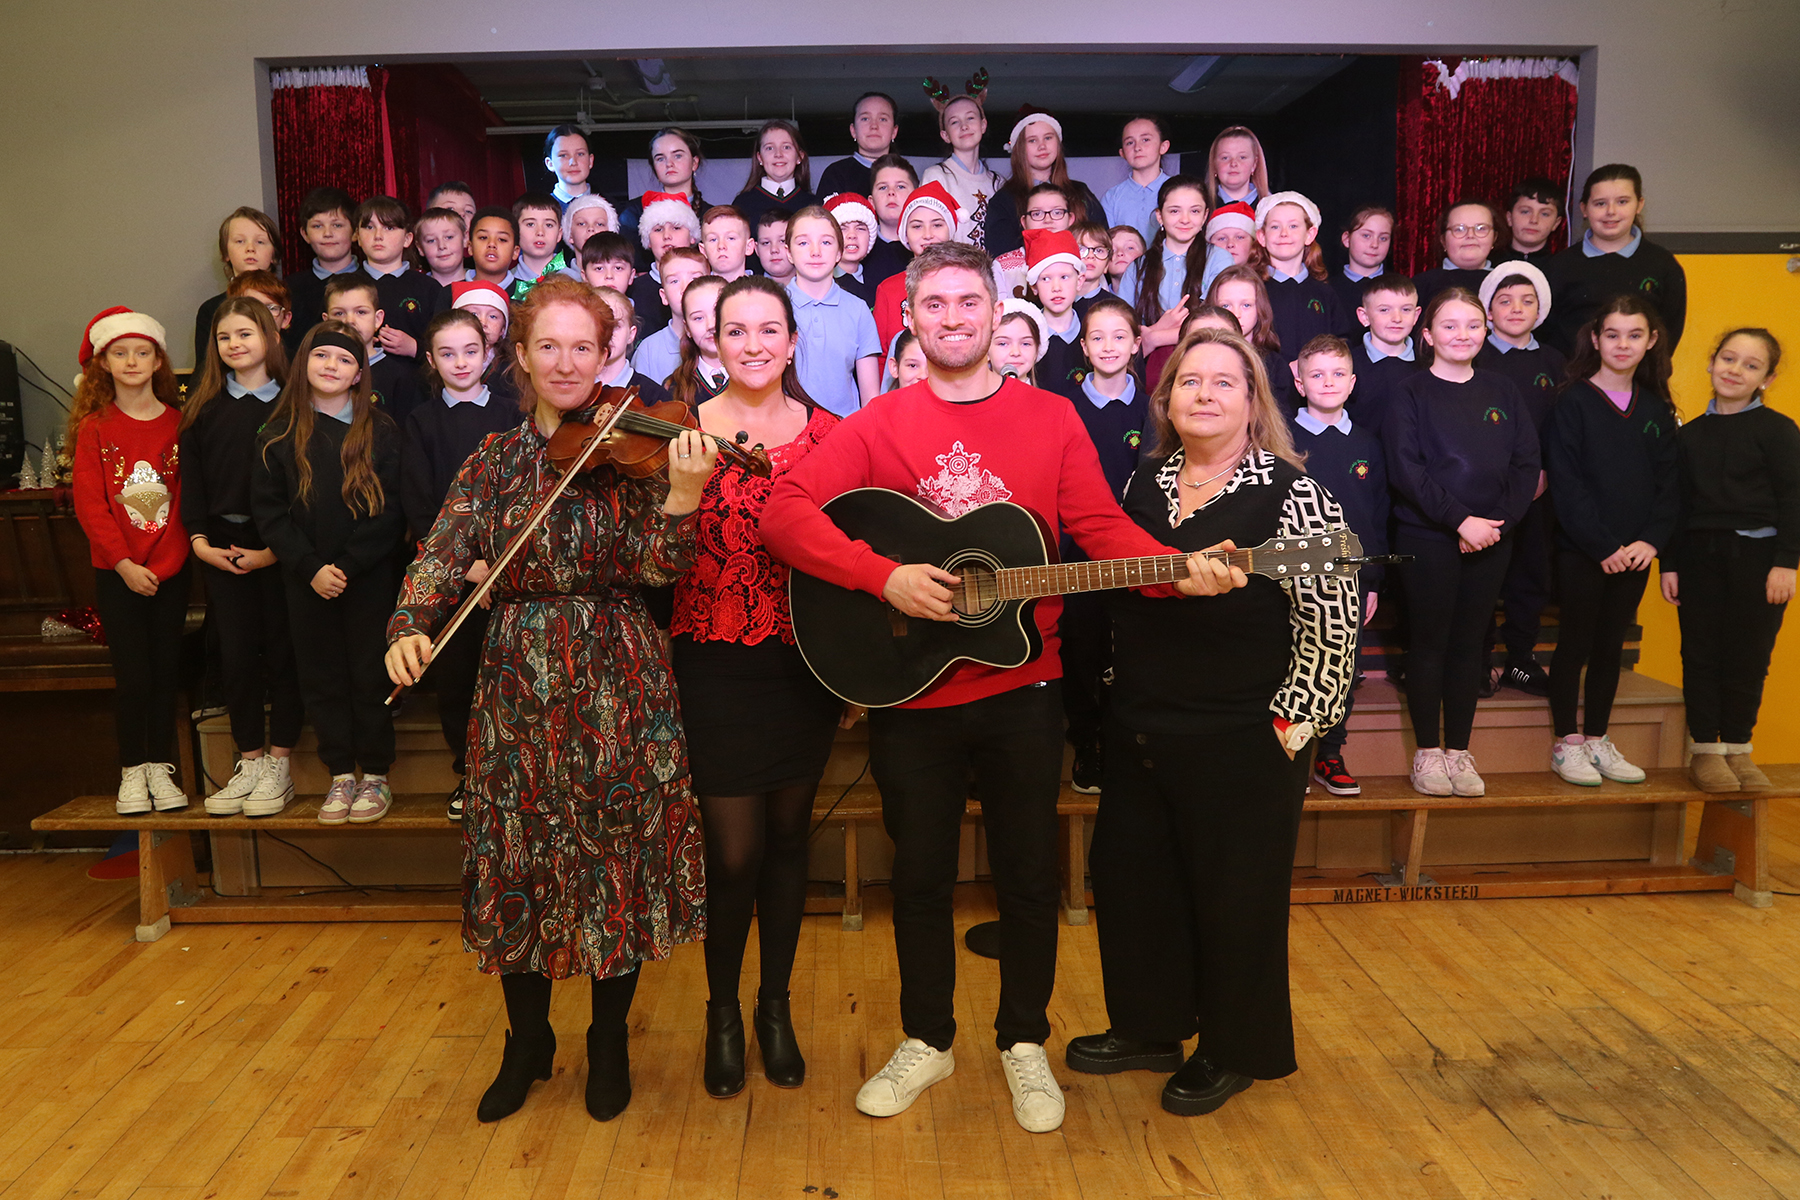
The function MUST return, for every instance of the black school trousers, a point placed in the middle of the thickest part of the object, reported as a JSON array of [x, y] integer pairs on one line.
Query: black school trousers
[[143, 635], [1728, 630], [1086, 634], [256, 647], [453, 674], [1008, 749], [339, 645], [1192, 862], [1450, 600], [1525, 591], [1597, 611]]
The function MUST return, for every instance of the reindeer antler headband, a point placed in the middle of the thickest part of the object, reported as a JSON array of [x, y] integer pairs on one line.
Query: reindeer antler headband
[[973, 89]]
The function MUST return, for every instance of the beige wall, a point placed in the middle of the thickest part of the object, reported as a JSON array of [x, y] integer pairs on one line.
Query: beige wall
[[126, 131]]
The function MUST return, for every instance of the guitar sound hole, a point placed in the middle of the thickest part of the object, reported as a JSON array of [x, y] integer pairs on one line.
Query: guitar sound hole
[[978, 592]]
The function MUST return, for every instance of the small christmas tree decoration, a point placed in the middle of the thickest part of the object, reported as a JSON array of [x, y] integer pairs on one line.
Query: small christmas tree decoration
[[28, 479]]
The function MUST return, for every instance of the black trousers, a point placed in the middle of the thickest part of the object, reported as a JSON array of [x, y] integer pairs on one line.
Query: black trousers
[[256, 651], [453, 674], [143, 634], [1009, 747], [1728, 630], [1192, 861], [339, 645], [1086, 632], [1597, 611], [1525, 592], [1450, 599]]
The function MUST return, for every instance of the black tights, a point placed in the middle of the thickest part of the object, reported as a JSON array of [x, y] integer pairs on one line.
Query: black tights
[[755, 865], [528, 1001]]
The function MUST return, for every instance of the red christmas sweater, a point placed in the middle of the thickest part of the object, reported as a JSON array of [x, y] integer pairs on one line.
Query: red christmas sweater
[[128, 490], [1021, 444]]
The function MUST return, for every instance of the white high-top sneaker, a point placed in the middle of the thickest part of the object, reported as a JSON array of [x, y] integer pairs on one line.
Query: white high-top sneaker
[[165, 793], [274, 788], [134, 793], [228, 801]]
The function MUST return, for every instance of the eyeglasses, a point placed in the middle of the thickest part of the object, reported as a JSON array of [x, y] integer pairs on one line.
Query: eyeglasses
[[1046, 214], [1096, 252], [1470, 230]]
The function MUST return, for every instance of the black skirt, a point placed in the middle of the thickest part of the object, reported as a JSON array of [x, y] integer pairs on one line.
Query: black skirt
[[756, 718]]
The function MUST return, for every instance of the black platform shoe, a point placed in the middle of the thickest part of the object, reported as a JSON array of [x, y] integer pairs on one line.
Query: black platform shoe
[[522, 1063], [783, 1063], [1108, 1054], [609, 1072], [1199, 1088], [724, 1049]]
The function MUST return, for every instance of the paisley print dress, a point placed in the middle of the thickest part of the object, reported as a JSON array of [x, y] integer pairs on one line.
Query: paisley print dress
[[581, 839]]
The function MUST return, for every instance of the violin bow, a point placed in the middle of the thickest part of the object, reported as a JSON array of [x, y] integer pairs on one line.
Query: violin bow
[[513, 547]]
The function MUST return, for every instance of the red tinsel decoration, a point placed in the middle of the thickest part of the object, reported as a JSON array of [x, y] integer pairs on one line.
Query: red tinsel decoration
[[86, 619]]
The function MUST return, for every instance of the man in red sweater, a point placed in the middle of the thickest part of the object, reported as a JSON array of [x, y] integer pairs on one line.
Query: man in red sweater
[[964, 437]]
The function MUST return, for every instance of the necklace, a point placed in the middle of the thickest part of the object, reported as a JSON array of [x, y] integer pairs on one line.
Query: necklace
[[1231, 466]]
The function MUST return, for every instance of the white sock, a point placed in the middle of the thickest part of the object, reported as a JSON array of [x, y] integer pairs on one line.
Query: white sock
[[382, 778]]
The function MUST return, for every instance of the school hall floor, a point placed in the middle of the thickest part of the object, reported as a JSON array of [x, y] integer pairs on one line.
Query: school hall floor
[[1597, 1047]]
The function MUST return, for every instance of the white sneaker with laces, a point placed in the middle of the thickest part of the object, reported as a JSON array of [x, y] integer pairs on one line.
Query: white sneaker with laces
[[165, 793], [273, 789], [134, 793], [1463, 779], [228, 801], [913, 1068], [1609, 762], [1573, 764], [1037, 1100], [1430, 774]]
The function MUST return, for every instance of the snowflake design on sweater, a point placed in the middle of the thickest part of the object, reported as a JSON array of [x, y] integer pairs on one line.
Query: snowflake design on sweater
[[962, 484]]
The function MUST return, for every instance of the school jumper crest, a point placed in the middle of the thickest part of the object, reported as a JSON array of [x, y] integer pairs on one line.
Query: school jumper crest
[[962, 484]]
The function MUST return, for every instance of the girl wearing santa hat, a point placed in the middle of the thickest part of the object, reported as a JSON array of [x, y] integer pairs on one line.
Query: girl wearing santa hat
[[128, 500], [928, 218], [1036, 146]]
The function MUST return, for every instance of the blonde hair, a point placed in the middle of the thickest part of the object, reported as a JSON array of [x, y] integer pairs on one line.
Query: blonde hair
[[1267, 427]]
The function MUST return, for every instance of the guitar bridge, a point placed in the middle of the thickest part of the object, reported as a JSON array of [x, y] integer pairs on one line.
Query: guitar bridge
[[896, 622]]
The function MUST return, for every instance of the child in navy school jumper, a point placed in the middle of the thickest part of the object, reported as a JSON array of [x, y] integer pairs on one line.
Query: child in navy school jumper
[[1236, 169], [607, 261], [699, 376], [1116, 411], [1614, 257], [1462, 457], [494, 247], [1518, 302], [1053, 272], [406, 295], [538, 219], [249, 240], [665, 224], [1240, 291], [1095, 241], [1468, 230], [568, 157], [1615, 470], [874, 124], [325, 491], [456, 196], [1305, 306], [266, 288], [459, 413], [1368, 236], [491, 308], [780, 173], [616, 370], [674, 158], [1731, 567], [1348, 460], [658, 353], [393, 380], [327, 226], [1385, 354], [1036, 147], [856, 221], [128, 500], [1534, 212], [772, 258], [240, 379], [892, 182], [441, 236], [725, 239]]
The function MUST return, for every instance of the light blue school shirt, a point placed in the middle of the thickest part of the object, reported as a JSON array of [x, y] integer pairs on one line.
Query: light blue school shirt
[[1503, 346], [1131, 203], [658, 355], [833, 332], [1305, 420], [1592, 251], [320, 273], [1174, 280], [1099, 400], [1373, 349], [479, 399], [346, 414], [1353, 277], [265, 393]]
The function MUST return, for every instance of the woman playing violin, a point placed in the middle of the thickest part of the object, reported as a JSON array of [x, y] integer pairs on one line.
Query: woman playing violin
[[581, 839]]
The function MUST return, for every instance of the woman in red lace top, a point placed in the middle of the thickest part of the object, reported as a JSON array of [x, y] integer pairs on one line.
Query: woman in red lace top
[[759, 725]]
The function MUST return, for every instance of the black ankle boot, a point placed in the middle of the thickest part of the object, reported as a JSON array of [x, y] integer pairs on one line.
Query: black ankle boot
[[724, 1049], [609, 1072], [782, 1062], [522, 1063]]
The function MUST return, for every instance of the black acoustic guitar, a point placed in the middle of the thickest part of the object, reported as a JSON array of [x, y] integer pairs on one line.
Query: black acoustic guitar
[[871, 654]]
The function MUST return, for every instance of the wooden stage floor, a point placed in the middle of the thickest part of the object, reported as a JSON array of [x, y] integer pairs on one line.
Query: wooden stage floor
[[1638, 1046]]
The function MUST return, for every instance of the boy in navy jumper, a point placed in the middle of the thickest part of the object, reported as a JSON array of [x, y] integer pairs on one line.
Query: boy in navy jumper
[[1347, 459], [1468, 230], [874, 123], [1534, 212], [394, 381], [408, 296], [327, 226], [1384, 355]]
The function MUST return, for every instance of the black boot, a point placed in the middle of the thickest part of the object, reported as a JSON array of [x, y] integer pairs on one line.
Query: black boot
[[783, 1064], [609, 1071], [1199, 1088], [522, 1063], [724, 1049]]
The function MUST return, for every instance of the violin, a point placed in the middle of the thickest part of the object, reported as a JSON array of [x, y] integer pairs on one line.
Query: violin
[[633, 437], [615, 428]]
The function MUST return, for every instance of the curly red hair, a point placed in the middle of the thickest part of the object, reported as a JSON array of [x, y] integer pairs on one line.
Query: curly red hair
[[558, 289]]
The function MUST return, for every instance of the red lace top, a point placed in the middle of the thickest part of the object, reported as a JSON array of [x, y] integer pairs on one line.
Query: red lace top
[[737, 592]]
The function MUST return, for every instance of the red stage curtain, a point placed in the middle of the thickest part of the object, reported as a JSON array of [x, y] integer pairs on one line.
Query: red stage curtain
[[437, 123], [1491, 134], [327, 132]]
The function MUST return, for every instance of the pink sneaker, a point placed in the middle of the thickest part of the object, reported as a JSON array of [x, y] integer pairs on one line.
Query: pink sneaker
[[336, 809], [373, 798]]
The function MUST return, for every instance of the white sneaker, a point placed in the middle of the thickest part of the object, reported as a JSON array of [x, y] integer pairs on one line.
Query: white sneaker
[[1609, 762], [274, 788], [228, 801], [165, 794], [1430, 773], [1573, 764], [134, 793], [913, 1068], [1037, 1101], [1463, 779]]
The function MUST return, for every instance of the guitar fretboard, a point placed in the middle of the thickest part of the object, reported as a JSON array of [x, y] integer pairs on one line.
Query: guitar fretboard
[[1060, 579]]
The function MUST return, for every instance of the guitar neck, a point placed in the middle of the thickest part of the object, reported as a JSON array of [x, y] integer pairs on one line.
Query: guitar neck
[[1062, 579]]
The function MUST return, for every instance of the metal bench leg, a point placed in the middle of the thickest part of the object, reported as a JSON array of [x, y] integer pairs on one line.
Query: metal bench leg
[[166, 879]]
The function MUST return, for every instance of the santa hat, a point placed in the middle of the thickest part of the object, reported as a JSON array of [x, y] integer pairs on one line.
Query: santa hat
[[1236, 215], [1491, 284], [930, 195], [1268, 204], [848, 206], [588, 201], [111, 324], [667, 208], [1030, 116], [1013, 305], [480, 293], [1044, 248]]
